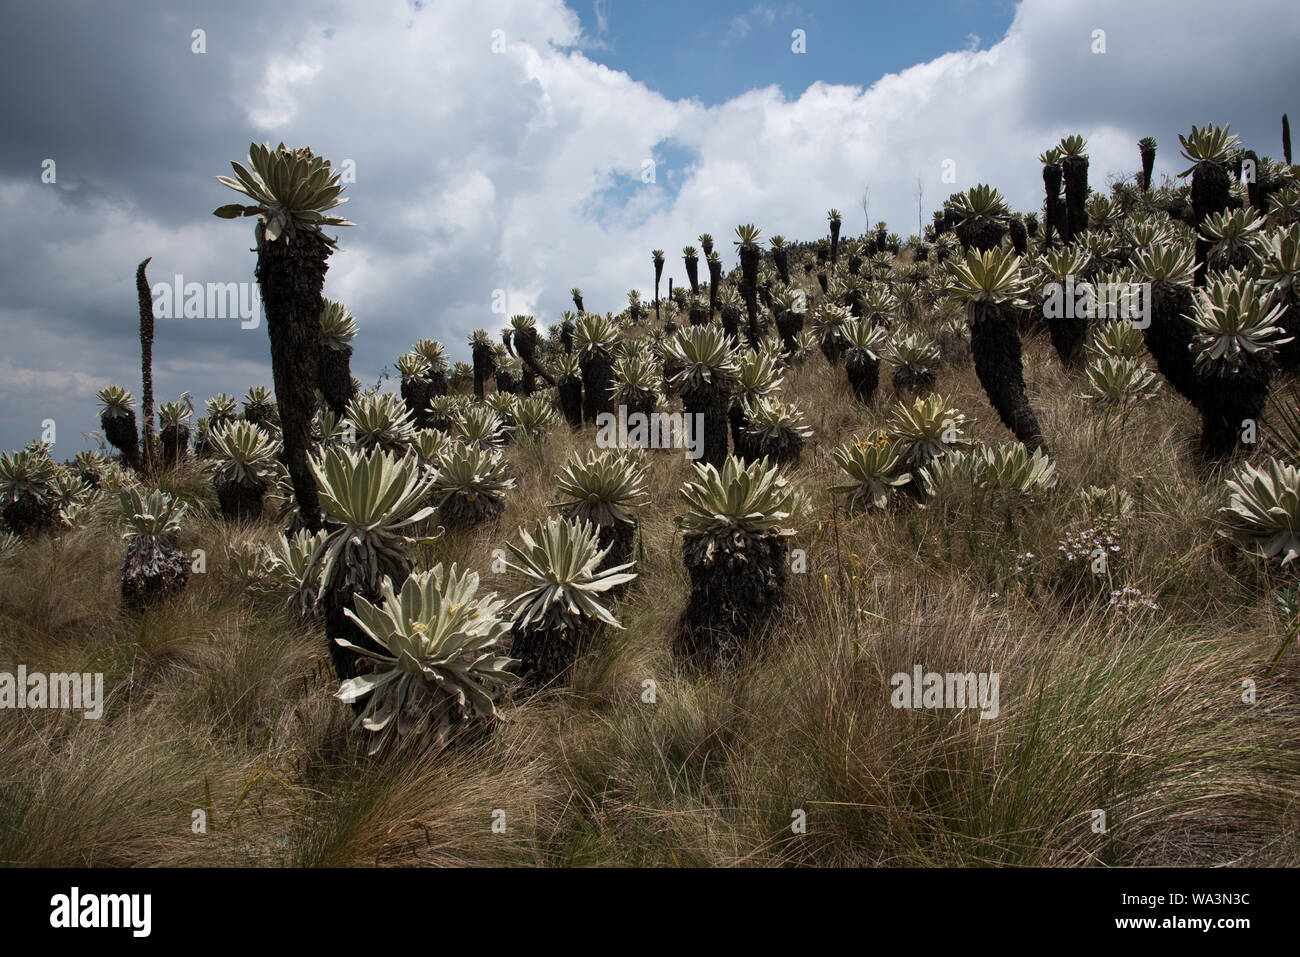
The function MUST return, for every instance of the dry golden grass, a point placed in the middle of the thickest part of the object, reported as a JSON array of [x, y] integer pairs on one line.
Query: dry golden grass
[[217, 702]]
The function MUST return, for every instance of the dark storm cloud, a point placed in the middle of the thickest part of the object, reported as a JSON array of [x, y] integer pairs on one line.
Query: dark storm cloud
[[114, 93], [1164, 68], [477, 170]]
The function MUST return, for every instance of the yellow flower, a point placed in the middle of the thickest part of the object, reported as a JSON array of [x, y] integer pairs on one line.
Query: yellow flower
[[878, 438]]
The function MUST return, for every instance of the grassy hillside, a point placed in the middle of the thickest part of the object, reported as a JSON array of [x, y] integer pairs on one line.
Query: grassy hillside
[[218, 700]]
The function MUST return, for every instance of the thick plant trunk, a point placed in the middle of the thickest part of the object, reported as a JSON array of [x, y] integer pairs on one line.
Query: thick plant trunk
[[789, 324], [639, 403], [484, 364], [1257, 191], [736, 589], [437, 383], [1148, 162], [1211, 187], [597, 386], [749, 289], [1228, 402], [1019, 236], [781, 451], [981, 236], [711, 401], [334, 377], [1059, 217], [1287, 355], [240, 503], [1068, 334], [27, 515], [526, 346], [743, 445], [416, 393], [259, 415], [781, 257], [731, 322], [570, 394], [175, 443], [715, 278], [693, 273], [291, 274], [659, 271], [864, 376], [995, 345], [1169, 338], [121, 434], [1074, 170], [534, 370], [546, 653], [459, 513], [854, 297], [832, 349], [1052, 189]]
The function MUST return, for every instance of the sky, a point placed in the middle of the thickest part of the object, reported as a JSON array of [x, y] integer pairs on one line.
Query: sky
[[504, 151]]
